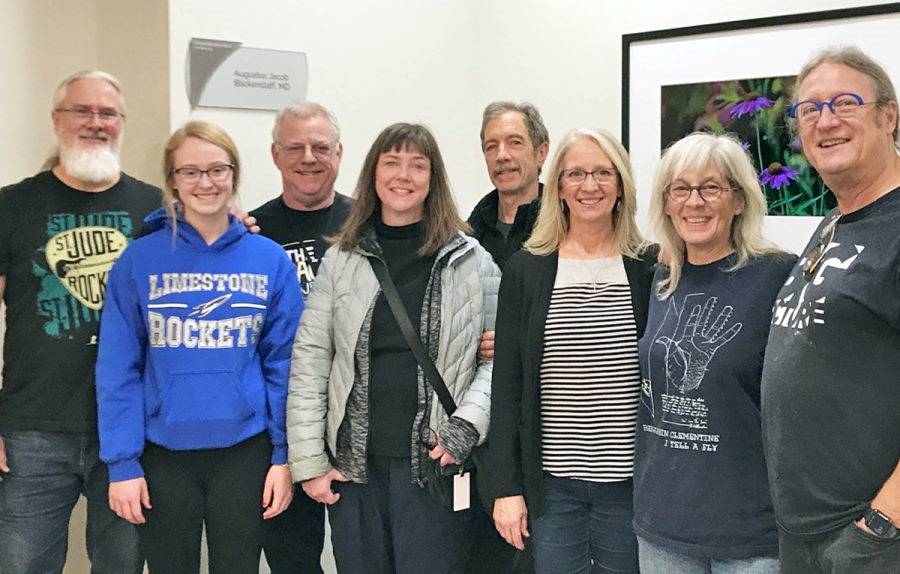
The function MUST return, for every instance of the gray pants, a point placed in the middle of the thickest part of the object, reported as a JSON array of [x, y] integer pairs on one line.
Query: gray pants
[[847, 550]]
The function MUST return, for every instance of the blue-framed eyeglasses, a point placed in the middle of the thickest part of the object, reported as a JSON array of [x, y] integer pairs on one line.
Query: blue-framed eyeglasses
[[845, 104]]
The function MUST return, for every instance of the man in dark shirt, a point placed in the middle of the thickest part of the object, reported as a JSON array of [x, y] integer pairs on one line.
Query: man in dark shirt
[[60, 232], [830, 388], [307, 150], [515, 144]]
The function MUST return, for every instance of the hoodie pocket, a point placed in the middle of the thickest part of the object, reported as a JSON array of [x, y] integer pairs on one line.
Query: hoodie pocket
[[204, 396]]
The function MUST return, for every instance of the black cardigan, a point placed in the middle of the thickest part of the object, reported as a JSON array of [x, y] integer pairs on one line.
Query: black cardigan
[[514, 453]]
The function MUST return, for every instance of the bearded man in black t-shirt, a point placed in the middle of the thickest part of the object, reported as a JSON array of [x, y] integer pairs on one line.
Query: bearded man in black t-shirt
[[306, 149], [60, 232], [831, 380]]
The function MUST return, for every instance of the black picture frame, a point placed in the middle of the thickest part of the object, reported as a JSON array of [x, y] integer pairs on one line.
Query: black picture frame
[[754, 23], [767, 47]]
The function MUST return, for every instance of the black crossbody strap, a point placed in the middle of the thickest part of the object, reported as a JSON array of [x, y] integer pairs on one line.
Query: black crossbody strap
[[411, 335]]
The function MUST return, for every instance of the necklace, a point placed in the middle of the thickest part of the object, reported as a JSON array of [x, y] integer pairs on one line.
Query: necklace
[[591, 273]]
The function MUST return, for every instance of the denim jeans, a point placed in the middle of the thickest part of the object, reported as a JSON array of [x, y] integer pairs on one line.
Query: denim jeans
[[48, 472], [847, 550], [585, 527], [658, 560]]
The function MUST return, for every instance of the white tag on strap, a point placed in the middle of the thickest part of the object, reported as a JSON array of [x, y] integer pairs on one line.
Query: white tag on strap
[[461, 491]]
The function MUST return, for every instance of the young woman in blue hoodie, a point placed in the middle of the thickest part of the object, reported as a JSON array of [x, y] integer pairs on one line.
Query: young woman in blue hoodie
[[195, 347]]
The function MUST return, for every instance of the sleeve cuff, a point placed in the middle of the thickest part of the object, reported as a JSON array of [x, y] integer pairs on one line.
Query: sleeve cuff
[[458, 436], [279, 454], [125, 470]]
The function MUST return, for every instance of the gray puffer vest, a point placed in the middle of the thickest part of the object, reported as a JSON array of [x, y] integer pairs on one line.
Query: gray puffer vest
[[327, 405]]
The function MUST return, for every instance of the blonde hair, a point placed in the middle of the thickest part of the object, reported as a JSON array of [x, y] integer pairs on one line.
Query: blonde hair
[[208, 132], [552, 223], [695, 152]]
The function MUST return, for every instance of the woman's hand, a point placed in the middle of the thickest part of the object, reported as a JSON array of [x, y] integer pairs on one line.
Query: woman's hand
[[126, 497], [511, 520], [445, 457], [319, 489], [278, 490]]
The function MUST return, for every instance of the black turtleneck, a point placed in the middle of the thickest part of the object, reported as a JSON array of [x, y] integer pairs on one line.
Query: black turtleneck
[[393, 375]]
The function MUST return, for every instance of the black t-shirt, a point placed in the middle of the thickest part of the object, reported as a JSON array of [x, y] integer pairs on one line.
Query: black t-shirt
[[57, 245], [700, 485], [394, 371], [831, 382], [302, 233]]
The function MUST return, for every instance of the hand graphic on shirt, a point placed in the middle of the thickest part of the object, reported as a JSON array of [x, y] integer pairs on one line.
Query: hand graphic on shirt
[[696, 341]]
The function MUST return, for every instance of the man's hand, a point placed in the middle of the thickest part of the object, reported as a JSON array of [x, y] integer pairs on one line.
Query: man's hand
[[4, 464], [319, 489], [511, 520], [486, 349], [248, 220], [126, 497], [277, 491]]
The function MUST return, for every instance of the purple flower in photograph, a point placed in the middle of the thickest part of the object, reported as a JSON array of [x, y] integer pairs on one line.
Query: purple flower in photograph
[[745, 145], [777, 176], [752, 104]]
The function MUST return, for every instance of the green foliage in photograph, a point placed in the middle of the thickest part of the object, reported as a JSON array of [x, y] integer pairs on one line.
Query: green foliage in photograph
[[755, 110]]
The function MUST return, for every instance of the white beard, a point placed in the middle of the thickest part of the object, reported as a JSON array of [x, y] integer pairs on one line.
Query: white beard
[[94, 165]]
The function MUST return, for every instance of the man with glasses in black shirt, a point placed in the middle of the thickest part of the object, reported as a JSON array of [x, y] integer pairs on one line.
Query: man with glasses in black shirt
[[307, 150], [830, 388]]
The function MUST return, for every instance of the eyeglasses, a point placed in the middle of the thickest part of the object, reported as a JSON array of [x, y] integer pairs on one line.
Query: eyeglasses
[[83, 113], [217, 173], [320, 150], [808, 111], [680, 192], [576, 176], [815, 257]]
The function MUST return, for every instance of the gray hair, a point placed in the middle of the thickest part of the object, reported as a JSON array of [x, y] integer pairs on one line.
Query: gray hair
[[304, 111], [853, 57], [530, 114], [695, 152], [60, 94]]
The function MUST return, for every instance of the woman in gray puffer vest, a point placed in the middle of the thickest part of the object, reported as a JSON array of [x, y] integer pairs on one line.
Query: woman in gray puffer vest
[[366, 430]]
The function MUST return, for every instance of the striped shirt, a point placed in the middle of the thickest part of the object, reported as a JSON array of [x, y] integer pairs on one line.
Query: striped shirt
[[590, 374]]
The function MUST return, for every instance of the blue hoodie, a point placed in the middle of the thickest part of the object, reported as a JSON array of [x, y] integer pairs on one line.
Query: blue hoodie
[[195, 343]]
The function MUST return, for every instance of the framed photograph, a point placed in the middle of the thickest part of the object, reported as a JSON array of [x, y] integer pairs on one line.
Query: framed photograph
[[738, 77]]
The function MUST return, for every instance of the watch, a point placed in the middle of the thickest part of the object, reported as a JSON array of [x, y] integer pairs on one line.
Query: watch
[[880, 524]]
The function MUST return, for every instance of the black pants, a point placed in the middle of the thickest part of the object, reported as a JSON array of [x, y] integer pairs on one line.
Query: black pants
[[847, 550], [492, 554], [391, 525], [294, 539], [221, 487]]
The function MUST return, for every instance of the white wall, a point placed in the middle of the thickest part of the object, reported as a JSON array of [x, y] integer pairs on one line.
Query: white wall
[[41, 42], [372, 63]]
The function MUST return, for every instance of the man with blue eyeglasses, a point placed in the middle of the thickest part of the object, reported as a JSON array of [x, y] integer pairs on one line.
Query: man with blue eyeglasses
[[60, 232], [831, 378]]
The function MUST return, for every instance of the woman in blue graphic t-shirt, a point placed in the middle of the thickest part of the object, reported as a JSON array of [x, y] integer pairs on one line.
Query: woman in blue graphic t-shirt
[[701, 497]]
